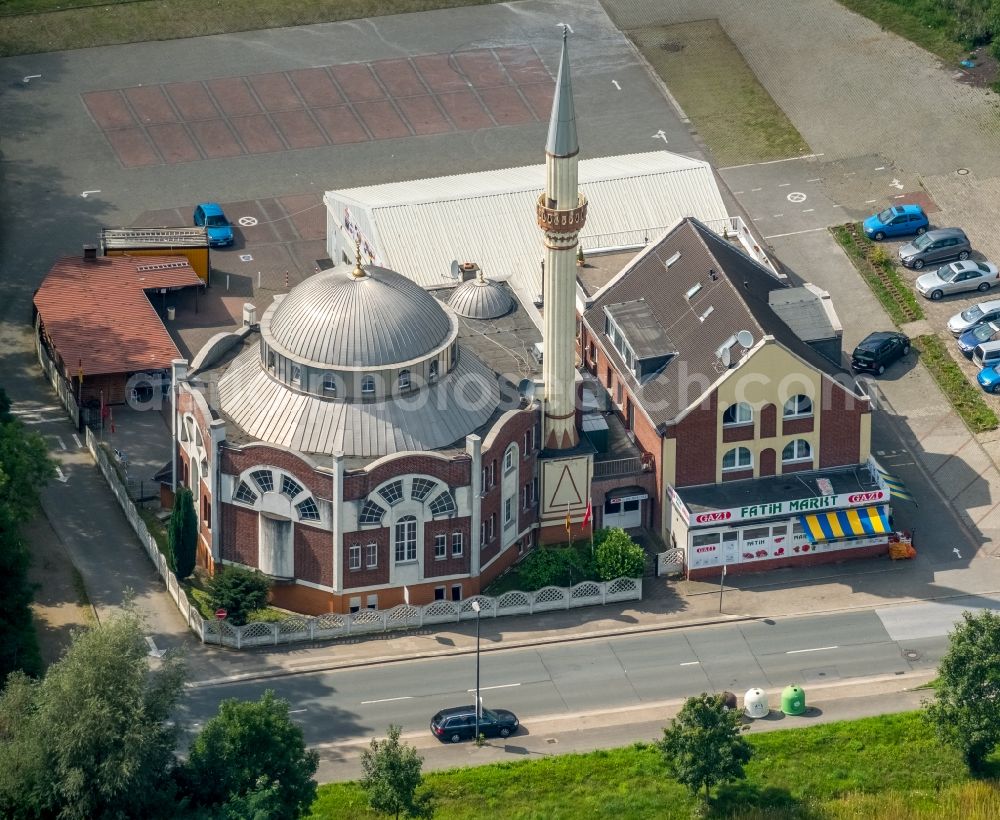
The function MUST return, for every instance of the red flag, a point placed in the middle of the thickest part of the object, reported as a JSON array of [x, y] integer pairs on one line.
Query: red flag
[[588, 516], [111, 416]]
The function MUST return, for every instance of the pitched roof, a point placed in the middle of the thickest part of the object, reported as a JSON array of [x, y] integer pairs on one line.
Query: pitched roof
[[709, 292], [97, 314]]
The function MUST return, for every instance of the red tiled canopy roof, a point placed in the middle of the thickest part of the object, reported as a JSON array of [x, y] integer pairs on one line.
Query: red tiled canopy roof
[[97, 314]]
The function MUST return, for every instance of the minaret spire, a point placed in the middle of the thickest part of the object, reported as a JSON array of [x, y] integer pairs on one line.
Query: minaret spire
[[561, 213]]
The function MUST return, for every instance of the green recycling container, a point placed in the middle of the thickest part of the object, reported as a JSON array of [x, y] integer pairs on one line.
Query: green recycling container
[[793, 700]]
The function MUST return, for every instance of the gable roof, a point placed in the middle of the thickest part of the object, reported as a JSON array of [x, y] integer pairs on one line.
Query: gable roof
[[98, 317], [710, 291]]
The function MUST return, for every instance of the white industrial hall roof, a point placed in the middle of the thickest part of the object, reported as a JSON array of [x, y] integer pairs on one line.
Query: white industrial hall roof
[[418, 228]]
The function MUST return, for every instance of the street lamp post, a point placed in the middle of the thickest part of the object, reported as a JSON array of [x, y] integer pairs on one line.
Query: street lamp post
[[478, 610]]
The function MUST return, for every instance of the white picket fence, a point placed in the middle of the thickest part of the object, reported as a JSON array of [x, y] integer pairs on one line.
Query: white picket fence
[[59, 384], [322, 627]]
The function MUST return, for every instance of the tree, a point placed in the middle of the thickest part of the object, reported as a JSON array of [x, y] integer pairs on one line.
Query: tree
[[239, 591], [25, 467], [251, 761], [965, 709], [392, 775], [182, 534], [92, 738], [703, 746], [616, 555]]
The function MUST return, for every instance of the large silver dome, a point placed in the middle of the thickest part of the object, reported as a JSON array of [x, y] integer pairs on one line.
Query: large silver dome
[[339, 319], [480, 298]]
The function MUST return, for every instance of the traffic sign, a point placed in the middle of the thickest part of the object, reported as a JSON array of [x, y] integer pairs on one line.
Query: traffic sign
[[220, 613]]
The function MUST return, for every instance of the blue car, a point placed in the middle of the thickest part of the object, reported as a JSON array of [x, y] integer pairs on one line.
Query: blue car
[[967, 342], [210, 215], [899, 220], [989, 380]]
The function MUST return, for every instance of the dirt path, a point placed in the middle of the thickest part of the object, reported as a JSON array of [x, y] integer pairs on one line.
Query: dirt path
[[60, 604]]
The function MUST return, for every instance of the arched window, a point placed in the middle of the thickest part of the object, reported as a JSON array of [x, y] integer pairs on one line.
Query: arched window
[[329, 385], [296, 374], [800, 405], [797, 450], [404, 379], [368, 385], [443, 504], [433, 373], [405, 541], [371, 513], [264, 480], [741, 413], [739, 458], [244, 495], [421, 488]]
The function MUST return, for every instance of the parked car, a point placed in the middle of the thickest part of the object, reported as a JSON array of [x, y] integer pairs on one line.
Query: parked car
[[957, 277], [210, 215], [989, 379], [938, 245], [988, 332], [979, 314], [986, 355], [459, 723], [899, 220], [878, 350]]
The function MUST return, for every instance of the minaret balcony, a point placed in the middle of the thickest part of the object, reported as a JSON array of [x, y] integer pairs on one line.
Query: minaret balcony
[[554, 220]]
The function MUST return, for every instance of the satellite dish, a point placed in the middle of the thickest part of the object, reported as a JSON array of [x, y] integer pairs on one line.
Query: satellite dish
[[745, 338], [456, 272], [724, 356], [526, 389]]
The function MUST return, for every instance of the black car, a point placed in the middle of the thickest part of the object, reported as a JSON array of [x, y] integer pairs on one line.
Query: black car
[[459, 723], [878, 350]]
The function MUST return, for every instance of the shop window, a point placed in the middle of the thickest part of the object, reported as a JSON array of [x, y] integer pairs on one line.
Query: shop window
[[406, 539], [630, 506], [440, 546], [756, 533], [741, 413], [705, 539], [798, 406], [797, 450], [739, 458], [612, 507]]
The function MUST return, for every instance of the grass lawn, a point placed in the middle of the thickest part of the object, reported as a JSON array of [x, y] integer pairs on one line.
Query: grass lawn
[[924, 22], [707, 75], [36, 27], [885, 767], [965, 396]]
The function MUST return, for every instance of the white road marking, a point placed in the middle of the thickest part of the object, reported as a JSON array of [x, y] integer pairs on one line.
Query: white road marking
[[153, 651], [796, 196], [616, 85], [814, 649], [899, 196], [29, 77], [387, 700], [499, 686], [870, 201], [61, 442], [77, 441], [784, 184], [808, 210], [60, 476], [24, 411], [816, 179], [880, 168], [770, 162], [777, 215], [296, 711], [793, 233], [737, 193], [691, 663], [756, 189], [85, 194]]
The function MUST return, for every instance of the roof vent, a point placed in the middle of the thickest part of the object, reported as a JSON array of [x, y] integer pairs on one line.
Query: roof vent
[[468, 270], [672, 260], [90, 252], [161, 266], [706, 314], [691, 291]]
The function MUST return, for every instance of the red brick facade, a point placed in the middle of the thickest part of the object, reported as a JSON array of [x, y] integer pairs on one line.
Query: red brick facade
[[454, 472], [365, 577], [313, 555], [696, 444], [768, 421], [450, 564], [840, 430], [794, 427], [239, 535], [236, 461]]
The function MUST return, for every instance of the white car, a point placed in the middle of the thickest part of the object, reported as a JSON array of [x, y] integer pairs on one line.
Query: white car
[[958, 277], [976, 315]]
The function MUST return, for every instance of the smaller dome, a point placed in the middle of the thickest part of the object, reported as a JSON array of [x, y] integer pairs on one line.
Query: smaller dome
[[480, 298]]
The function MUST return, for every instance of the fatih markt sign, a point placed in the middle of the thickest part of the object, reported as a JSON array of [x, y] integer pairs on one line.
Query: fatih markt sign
[[796, 506]]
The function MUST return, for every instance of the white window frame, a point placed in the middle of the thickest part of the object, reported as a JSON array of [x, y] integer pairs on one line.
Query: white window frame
[[796, 456], [508, 459], [368, 385], [508, 512], [372, 555], [354, 557], [404, 380], [737, 465], [742, 408], [796, 413], [408, 542], [457, 544], [440, 547]]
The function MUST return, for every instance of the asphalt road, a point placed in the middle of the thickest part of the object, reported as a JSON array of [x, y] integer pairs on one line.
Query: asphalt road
[[560, 688]]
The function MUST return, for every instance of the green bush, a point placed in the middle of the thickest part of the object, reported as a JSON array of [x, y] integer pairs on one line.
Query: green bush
[[239, 591], [616, 555], [553, 566], [182, 534]]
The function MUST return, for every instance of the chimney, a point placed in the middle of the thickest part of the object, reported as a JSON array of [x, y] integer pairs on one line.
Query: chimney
[[469, 270], [90, 252]]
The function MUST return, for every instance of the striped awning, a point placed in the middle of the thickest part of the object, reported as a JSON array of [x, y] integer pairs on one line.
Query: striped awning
[[845, 523]]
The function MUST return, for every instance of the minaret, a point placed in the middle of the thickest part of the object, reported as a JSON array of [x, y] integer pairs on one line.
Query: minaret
[[561, 213]]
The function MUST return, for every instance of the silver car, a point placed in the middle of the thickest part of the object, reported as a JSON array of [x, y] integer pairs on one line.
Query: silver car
[[978, 314], [957, 278], [938, 245]]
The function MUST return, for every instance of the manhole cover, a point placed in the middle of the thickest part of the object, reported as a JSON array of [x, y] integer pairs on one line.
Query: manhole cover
[[911, 654], [551, 740], [963, 171], [672, 46]]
